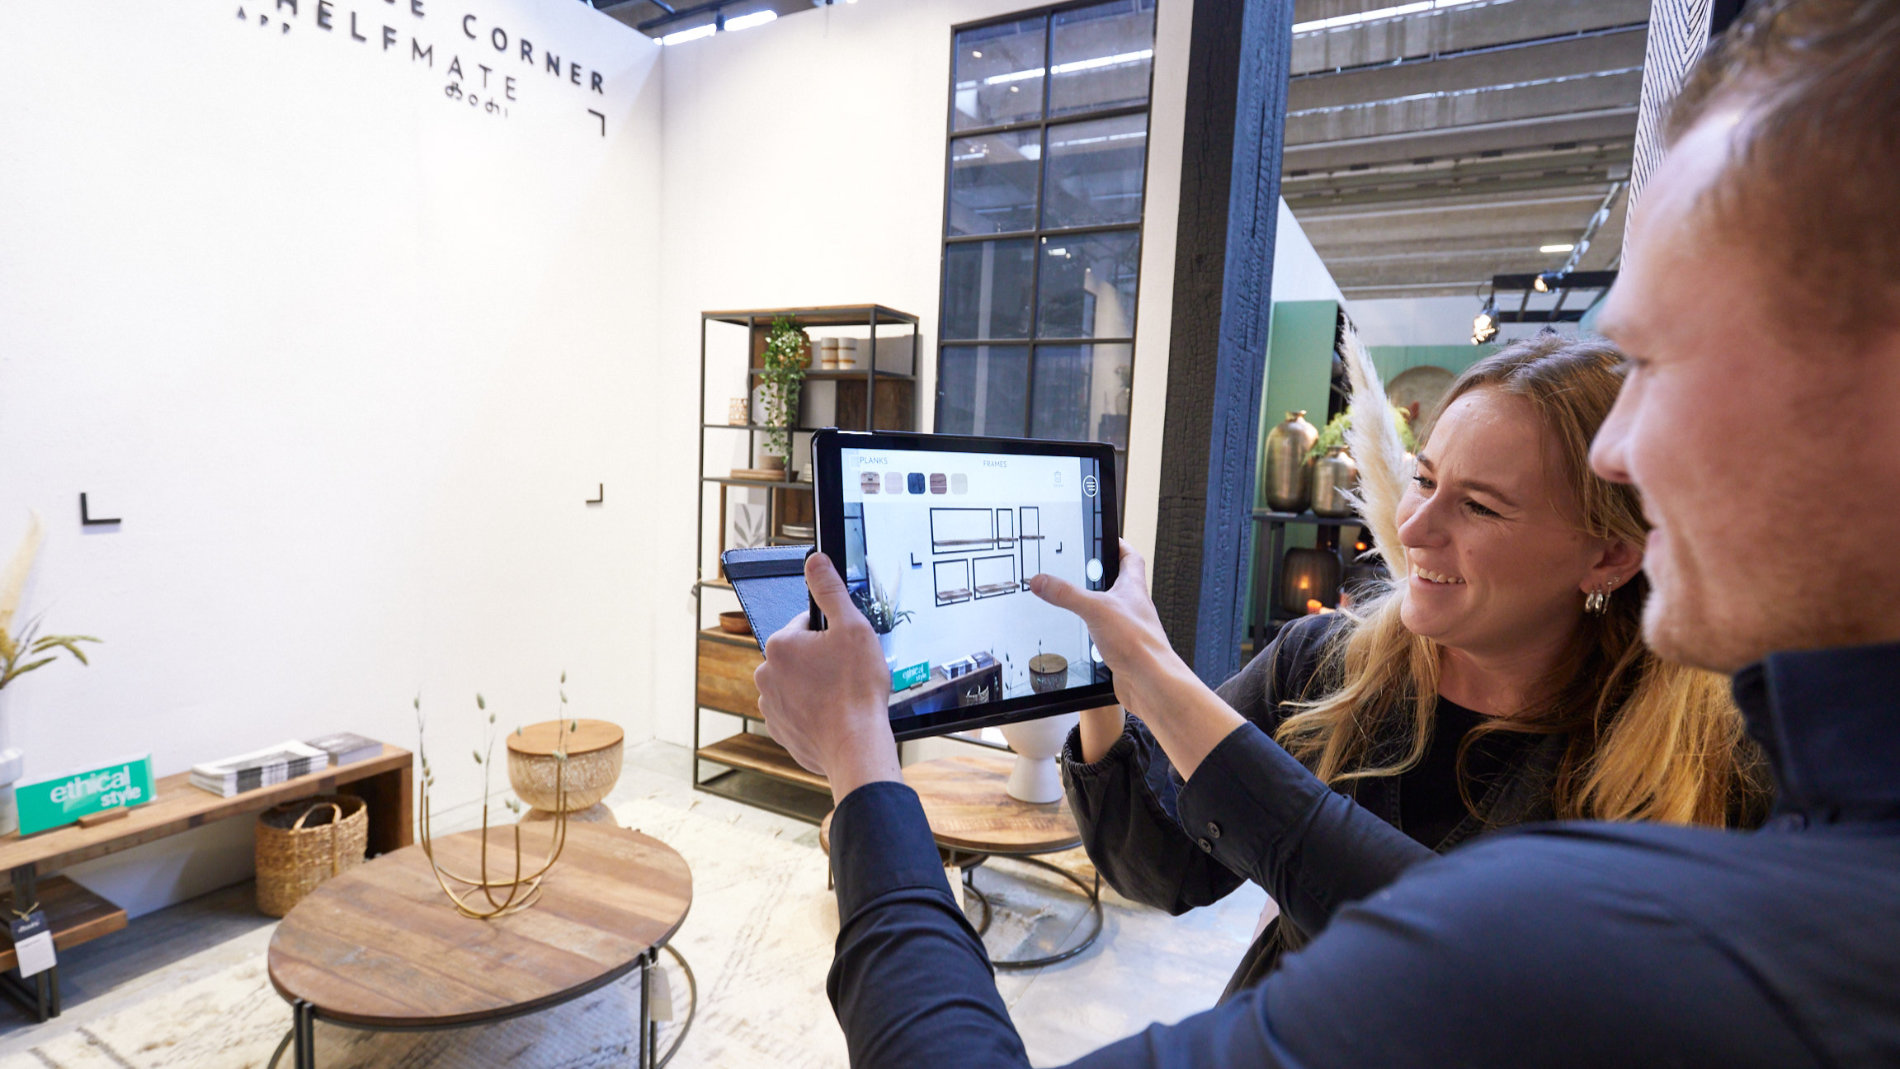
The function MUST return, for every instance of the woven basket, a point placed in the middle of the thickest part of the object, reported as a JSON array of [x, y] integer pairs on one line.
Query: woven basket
[[300, 844]]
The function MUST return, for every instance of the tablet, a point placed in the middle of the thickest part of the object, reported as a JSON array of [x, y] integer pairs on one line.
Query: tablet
[[937, 537]]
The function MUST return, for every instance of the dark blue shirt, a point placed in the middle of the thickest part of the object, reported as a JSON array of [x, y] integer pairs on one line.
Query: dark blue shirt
[[1578, 944]]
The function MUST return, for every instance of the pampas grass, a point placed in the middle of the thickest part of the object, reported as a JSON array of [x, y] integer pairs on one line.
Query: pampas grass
[[1376, 446], [27, 650]]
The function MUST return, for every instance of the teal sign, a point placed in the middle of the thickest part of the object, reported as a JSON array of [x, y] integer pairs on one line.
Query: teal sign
[[906, 678], [49, 803]]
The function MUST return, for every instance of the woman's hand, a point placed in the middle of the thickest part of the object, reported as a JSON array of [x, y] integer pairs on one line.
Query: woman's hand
[[1187, 718], [1124, 625], [826, 694]]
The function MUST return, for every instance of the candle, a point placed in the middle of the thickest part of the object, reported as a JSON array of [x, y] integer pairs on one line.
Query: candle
[[1313, 606]]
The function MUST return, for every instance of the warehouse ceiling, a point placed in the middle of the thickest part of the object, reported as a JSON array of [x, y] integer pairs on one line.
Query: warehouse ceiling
[[1432, 144], [1433, 147]]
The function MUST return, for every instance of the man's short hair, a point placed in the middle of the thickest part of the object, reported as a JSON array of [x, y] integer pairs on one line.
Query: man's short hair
[[1815, 182]]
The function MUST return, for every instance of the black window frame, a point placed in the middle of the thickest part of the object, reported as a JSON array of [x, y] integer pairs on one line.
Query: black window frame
[[1038, 236]]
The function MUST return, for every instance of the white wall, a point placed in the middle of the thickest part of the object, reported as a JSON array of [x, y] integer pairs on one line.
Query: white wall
[[804, 164], [347, 355], [1298, 272]]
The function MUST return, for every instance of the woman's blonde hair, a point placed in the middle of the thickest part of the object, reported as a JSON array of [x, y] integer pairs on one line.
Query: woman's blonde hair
[[1647, 740]]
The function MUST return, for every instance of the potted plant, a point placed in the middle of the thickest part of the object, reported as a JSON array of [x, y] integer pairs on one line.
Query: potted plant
[[21, 652], [787, 356], [879, 606]]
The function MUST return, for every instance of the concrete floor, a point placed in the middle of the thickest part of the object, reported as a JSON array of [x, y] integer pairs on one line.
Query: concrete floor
[[1063, 1010]]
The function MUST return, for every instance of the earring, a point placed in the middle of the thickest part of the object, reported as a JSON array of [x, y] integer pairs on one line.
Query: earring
[[1597, 602]]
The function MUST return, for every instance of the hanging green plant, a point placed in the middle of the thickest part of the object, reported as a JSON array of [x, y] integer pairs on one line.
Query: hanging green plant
[[787, 356], [1334, 436]]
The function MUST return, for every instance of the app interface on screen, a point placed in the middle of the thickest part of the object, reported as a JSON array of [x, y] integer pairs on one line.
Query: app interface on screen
[[939, 550]]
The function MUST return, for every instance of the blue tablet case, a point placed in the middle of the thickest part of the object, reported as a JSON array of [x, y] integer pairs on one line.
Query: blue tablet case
[[770, 582]]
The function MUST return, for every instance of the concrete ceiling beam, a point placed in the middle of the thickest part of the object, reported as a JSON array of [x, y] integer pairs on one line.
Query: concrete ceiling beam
[[1554, 99], [1452, 29], [1618, 50], [1540, 131]]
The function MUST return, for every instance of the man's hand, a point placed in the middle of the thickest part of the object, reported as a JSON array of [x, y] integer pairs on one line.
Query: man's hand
[[826, 694]]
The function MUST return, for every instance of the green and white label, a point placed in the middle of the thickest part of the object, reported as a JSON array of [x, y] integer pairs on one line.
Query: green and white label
[[915, 675], [49, 803]]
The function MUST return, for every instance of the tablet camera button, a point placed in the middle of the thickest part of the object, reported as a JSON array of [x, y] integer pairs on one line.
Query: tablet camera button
[[1093, 569], [1088, 485]]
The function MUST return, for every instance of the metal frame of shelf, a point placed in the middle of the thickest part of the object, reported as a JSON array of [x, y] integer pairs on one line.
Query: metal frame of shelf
[[1264, 617], [727, 781]]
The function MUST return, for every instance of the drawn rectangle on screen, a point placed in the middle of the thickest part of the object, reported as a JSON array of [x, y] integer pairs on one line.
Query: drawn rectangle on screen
[[1005, 529], [994, 576], [952, 579], [1029, 546], [961, 530]]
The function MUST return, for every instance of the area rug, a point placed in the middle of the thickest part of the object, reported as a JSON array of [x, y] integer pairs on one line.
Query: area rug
[[759, 941]]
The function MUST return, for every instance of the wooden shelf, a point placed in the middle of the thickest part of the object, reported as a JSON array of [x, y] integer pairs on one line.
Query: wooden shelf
[[715, 584], [756, 753], [830, 315], [714, 634], [848, 373], [75, 915], [727, 481], [178, 806]]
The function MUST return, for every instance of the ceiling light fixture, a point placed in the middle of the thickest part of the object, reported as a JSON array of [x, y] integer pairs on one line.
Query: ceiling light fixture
[[693, 34], [1547, 281], [746, 22], [1484, 326], [1393, 12], [1555, 248]]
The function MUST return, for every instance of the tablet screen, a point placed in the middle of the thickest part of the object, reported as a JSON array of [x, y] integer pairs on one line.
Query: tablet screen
[[939, 547]]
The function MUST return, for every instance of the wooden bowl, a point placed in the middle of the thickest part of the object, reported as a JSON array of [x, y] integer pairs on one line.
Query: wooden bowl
[[734, 623], [593, 762]]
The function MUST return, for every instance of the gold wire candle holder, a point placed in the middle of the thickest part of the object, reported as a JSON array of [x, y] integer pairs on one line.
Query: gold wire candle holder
[[502, 896]]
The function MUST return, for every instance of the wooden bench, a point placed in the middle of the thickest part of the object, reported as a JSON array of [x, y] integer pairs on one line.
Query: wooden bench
[[76, 915]]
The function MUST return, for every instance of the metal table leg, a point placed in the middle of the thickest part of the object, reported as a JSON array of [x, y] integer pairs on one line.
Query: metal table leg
[[303, 1027], [1092, 893]]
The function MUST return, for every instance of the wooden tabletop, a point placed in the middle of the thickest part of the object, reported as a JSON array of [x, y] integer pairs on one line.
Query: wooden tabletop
[[968, 809], [540, 740], [178, 806], [382, 946]]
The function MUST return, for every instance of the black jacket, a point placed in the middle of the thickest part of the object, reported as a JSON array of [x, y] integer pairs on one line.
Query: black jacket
[[1575, 944], [1127, 805]]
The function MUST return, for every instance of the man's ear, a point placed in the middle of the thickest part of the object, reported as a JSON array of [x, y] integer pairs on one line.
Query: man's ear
[[1619, 561]]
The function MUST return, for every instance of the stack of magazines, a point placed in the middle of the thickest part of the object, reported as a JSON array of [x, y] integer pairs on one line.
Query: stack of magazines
[[261, 768]]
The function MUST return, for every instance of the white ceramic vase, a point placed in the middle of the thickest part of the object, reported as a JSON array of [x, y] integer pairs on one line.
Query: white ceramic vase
[[1035, 777]]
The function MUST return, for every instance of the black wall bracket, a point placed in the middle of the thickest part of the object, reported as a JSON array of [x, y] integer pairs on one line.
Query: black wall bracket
[[87, 519], [600, 495]]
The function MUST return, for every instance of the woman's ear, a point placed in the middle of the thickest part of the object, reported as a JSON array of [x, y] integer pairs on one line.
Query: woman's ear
[[1615, 566]]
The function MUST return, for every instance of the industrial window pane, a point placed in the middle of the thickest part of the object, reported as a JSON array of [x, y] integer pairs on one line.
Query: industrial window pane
[[993, 182], [1095, 172], [1101, 57], [986, 289], [981, 389], [998, 77], [1088, 285], [1082, 393]]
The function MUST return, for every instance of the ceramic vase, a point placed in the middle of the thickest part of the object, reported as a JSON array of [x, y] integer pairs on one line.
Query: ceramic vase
[[1035, 777]]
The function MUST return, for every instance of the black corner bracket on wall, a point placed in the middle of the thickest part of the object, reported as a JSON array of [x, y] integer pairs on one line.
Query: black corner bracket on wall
[[87, 519]]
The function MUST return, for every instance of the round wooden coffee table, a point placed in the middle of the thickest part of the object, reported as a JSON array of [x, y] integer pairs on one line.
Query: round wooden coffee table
[[381, 947], [972, 818]]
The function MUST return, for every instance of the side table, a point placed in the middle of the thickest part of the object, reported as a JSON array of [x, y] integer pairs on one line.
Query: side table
[[972, 819], [380, 947]]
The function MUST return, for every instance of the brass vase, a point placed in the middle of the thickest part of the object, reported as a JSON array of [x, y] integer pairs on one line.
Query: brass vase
[[1283, 471], [1333, 475]]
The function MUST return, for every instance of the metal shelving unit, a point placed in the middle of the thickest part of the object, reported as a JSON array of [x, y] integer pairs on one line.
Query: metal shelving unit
[[749, 766]]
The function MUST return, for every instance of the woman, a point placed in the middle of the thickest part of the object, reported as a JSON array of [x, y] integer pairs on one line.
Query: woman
[[1502, 681]]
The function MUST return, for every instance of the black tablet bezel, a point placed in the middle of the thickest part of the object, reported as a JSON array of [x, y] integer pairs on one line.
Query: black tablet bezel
[[828, 495]]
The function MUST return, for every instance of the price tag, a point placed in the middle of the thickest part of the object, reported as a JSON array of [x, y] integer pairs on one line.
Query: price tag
[[660, 995], [33, 943]]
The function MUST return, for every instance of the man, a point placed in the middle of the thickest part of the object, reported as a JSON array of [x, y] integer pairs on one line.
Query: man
[[1760, 304]]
